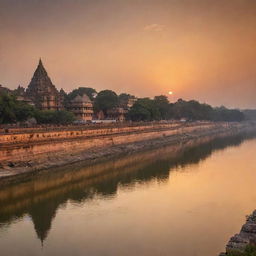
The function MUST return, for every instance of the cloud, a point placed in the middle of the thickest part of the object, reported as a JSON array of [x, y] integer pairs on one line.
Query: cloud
[[154, 27]]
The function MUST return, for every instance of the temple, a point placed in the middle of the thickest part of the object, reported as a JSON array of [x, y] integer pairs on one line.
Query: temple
[[42, 92]]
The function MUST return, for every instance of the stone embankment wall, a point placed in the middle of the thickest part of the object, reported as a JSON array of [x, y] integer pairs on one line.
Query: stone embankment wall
[[50, 134], [40, 149]]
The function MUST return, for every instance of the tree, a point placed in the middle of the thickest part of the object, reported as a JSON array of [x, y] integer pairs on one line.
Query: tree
[[229, 115], [250, 114], [23, 111], [162, 103], [123, 98], [139, 113], [7, 104], [12, 111], [180, 109], [192, 110], [105, 100], [144, 109], [90, 92], [64, 117]]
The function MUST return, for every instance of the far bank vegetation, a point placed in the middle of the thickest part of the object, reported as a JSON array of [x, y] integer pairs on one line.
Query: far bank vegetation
[[143, 109]]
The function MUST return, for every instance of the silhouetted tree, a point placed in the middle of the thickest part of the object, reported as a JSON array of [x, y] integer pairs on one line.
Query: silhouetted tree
[[105, 100], [144, 109], [162, 103], [12, 111], [224, 114], [23, 111], [123, 98], [7, 104]]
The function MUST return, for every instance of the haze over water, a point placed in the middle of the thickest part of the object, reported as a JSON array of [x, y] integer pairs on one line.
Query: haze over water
[[183, 200]]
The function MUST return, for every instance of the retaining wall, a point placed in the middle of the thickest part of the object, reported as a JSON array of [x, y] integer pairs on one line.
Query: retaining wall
[[39, 150]]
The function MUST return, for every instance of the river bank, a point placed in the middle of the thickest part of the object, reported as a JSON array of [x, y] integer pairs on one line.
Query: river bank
[[24, 153], [244, 242]]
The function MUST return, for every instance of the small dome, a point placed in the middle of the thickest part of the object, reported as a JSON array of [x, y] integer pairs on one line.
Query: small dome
[[83, 98]]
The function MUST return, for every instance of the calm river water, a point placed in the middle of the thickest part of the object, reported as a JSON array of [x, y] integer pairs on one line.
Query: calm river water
[[185, 200]]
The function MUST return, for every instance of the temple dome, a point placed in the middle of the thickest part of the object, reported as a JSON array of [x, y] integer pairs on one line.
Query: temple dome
[[80, 98]]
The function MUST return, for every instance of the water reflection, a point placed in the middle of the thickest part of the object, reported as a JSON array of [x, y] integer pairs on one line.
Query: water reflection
[[40, 197]]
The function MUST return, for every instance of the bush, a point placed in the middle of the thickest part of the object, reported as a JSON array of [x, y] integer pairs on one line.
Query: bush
[[249, 251], [54, 117]]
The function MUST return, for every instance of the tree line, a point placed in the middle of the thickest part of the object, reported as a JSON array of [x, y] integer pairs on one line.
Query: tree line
[[160, 108], [144, 109], [13, 111]]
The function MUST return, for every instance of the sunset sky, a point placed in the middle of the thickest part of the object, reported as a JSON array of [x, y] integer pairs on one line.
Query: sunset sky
[[199, 49]]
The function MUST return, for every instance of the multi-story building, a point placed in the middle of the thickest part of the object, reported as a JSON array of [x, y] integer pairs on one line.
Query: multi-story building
[[82, 107], [117, 114]]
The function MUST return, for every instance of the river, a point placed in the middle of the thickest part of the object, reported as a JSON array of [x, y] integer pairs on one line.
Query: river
[[183, 200]]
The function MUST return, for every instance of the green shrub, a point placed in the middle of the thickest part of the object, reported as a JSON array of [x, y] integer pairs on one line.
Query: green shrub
[[54, 117], [249, 251]]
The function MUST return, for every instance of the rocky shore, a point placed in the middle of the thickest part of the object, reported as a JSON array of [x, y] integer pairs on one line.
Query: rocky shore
[[247, 237]]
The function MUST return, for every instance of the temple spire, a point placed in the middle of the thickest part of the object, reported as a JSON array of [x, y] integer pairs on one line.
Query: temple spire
[[40, 64], [40, 70], [42, 91]]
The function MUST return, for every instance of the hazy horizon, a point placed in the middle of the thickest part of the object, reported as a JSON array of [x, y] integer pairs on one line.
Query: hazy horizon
[[199, 49]]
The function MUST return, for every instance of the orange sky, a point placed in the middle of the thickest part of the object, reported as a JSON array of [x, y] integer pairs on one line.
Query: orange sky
[[199, 49]]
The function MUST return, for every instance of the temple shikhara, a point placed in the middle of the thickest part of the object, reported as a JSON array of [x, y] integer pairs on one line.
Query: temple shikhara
[[42, 92], [44, 95]]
